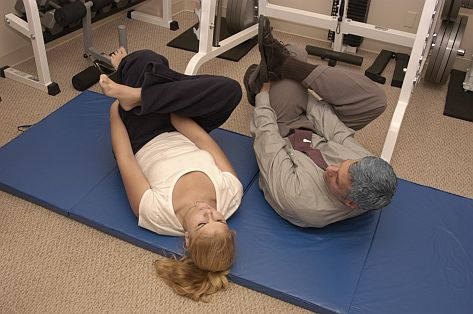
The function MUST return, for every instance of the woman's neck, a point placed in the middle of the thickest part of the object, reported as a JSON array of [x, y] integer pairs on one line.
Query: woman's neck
[[182, 212], [191, 187]]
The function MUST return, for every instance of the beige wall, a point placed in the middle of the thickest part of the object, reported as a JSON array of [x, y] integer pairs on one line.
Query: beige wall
[[386, 13], [11, 42]]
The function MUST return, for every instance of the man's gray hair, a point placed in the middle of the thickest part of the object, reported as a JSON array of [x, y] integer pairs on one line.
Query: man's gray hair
[[373, 183]]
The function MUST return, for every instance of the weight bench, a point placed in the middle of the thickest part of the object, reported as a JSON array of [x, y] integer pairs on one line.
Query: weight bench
[[414, 256]]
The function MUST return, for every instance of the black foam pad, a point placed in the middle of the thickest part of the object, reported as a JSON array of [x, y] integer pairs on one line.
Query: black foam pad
[[458, 103], [188, 41], [86, 78]]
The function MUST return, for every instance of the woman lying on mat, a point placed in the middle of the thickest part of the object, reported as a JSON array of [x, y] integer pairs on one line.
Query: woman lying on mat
[[177, 179]]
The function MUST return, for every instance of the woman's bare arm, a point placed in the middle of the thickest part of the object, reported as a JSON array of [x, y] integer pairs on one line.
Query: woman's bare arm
[[133, 178]]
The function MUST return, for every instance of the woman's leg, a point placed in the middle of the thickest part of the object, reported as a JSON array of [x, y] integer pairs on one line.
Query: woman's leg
[[133, 67], [209, 100], [131, 70], [128, 97]]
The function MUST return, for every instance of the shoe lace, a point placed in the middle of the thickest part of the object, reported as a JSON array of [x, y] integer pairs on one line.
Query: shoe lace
[[279, 46], [286, 51]]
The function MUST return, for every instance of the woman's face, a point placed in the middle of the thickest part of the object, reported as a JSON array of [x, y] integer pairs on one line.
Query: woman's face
[[204, 218]]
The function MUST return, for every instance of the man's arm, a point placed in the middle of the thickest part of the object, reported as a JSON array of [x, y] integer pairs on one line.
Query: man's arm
[[326, 122], [282, 169], [190, 129], [133, 178]]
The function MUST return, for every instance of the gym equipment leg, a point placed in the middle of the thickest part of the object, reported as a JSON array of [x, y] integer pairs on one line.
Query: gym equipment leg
[[402, 60], [165, 21], [102, 62], [32, 30], [468, 82], [378, 66]]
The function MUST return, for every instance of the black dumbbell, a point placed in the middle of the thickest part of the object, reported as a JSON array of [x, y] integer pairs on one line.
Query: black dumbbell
[[69, 14]]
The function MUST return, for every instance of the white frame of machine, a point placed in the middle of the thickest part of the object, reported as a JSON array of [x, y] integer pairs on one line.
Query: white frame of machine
[[420, 42], [164, 21], [32, 30], [207, 50]]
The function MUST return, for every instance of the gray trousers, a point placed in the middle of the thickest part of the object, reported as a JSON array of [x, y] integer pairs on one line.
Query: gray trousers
[[356, 99]]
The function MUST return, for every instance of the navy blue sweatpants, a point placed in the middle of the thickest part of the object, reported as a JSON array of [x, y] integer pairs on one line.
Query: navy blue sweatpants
[[209, 100]]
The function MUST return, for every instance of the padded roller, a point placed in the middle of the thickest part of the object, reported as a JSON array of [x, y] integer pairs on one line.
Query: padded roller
[[334, 55], [70, 13], [378, 66], [85, 79]]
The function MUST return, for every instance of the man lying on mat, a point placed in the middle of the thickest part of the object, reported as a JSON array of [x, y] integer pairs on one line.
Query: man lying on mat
[[294, 134], [178, 180]]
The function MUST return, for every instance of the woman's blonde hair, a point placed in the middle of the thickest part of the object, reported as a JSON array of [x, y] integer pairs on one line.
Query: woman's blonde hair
[[204, 270]]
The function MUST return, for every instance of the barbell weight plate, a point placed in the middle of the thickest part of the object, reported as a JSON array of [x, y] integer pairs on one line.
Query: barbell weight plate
[[455, 10], [427, 49], [453, 26], [460, 30], [435, 51], [444, 52], [441, 52], [450, 10], [229, 15], [446, 8], [249, 14], [233, 16], [241, 12], [240, 15]]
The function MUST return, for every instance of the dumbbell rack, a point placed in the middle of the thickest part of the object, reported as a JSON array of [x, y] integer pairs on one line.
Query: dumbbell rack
[[32, 30]]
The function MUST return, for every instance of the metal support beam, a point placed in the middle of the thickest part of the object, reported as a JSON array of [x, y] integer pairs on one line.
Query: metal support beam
[[206, 32], [417, 59]]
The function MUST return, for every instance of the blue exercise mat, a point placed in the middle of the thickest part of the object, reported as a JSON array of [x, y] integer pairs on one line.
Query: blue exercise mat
[[317, 269], [421, 259], [412, 257], [59, 160]]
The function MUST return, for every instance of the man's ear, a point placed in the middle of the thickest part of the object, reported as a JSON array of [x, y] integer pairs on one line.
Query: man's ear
[[350, 203], [186, 238]]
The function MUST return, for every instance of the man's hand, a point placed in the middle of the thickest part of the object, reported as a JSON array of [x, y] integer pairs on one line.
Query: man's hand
[[265, 87]]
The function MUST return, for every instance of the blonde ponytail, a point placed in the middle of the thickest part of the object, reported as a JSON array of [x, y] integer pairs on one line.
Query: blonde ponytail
[[204, 271]]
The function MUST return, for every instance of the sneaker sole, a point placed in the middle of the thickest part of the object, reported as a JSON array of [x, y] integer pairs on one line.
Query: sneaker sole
[[263, 64]]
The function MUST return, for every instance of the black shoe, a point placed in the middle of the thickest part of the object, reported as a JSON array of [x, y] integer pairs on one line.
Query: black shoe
[[252, 83], [273, 53]]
